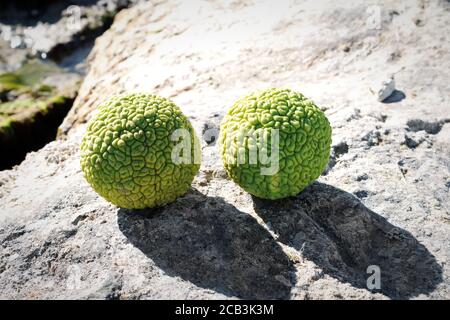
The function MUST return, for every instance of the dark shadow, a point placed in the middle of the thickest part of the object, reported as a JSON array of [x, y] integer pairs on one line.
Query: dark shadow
[[396, 96], [31, 12], [210, 243], [78, 56], [338, 233]]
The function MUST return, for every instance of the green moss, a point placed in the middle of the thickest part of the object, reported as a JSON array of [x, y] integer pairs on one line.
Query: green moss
[[43, 88], [10, 81], [27, 108], [34, 71], [6, 129], [13, 107], [28, 81], [107, 18], [28, 78], [58, 99]]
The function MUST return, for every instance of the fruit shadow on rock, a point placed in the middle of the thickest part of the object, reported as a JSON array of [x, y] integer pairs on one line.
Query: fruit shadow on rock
[[210, 243], [339, 234]]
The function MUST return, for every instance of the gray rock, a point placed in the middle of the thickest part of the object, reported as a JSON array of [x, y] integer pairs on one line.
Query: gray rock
[[61, 240], [387, 88]]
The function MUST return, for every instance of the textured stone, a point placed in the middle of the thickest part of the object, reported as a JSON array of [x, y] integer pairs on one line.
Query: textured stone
[[60, 240]]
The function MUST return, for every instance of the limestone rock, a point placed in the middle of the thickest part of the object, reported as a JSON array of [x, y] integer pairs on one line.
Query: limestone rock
[[60, 240]]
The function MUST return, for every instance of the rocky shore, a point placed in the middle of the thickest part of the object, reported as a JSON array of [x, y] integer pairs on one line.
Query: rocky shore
[[43, 52]]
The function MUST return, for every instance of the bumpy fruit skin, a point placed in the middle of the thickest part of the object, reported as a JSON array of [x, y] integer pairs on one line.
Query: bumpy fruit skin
[[126, 152], [304, 142]]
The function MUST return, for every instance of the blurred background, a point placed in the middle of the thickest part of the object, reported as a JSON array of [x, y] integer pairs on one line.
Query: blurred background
[[43, 51]]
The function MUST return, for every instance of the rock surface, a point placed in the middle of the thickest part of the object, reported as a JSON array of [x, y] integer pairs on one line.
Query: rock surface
[[33, 102], [43, 51], [380, 203], [59, 30]]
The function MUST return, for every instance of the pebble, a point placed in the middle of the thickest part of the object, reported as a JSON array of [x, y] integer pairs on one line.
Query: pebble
[[387, 88]]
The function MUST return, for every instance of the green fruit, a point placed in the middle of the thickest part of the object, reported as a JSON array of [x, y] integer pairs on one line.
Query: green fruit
[[128, 154], [274, 143]]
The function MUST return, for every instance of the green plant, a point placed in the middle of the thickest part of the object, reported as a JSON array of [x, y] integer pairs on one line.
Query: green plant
[[274, 143], [130, 153]]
